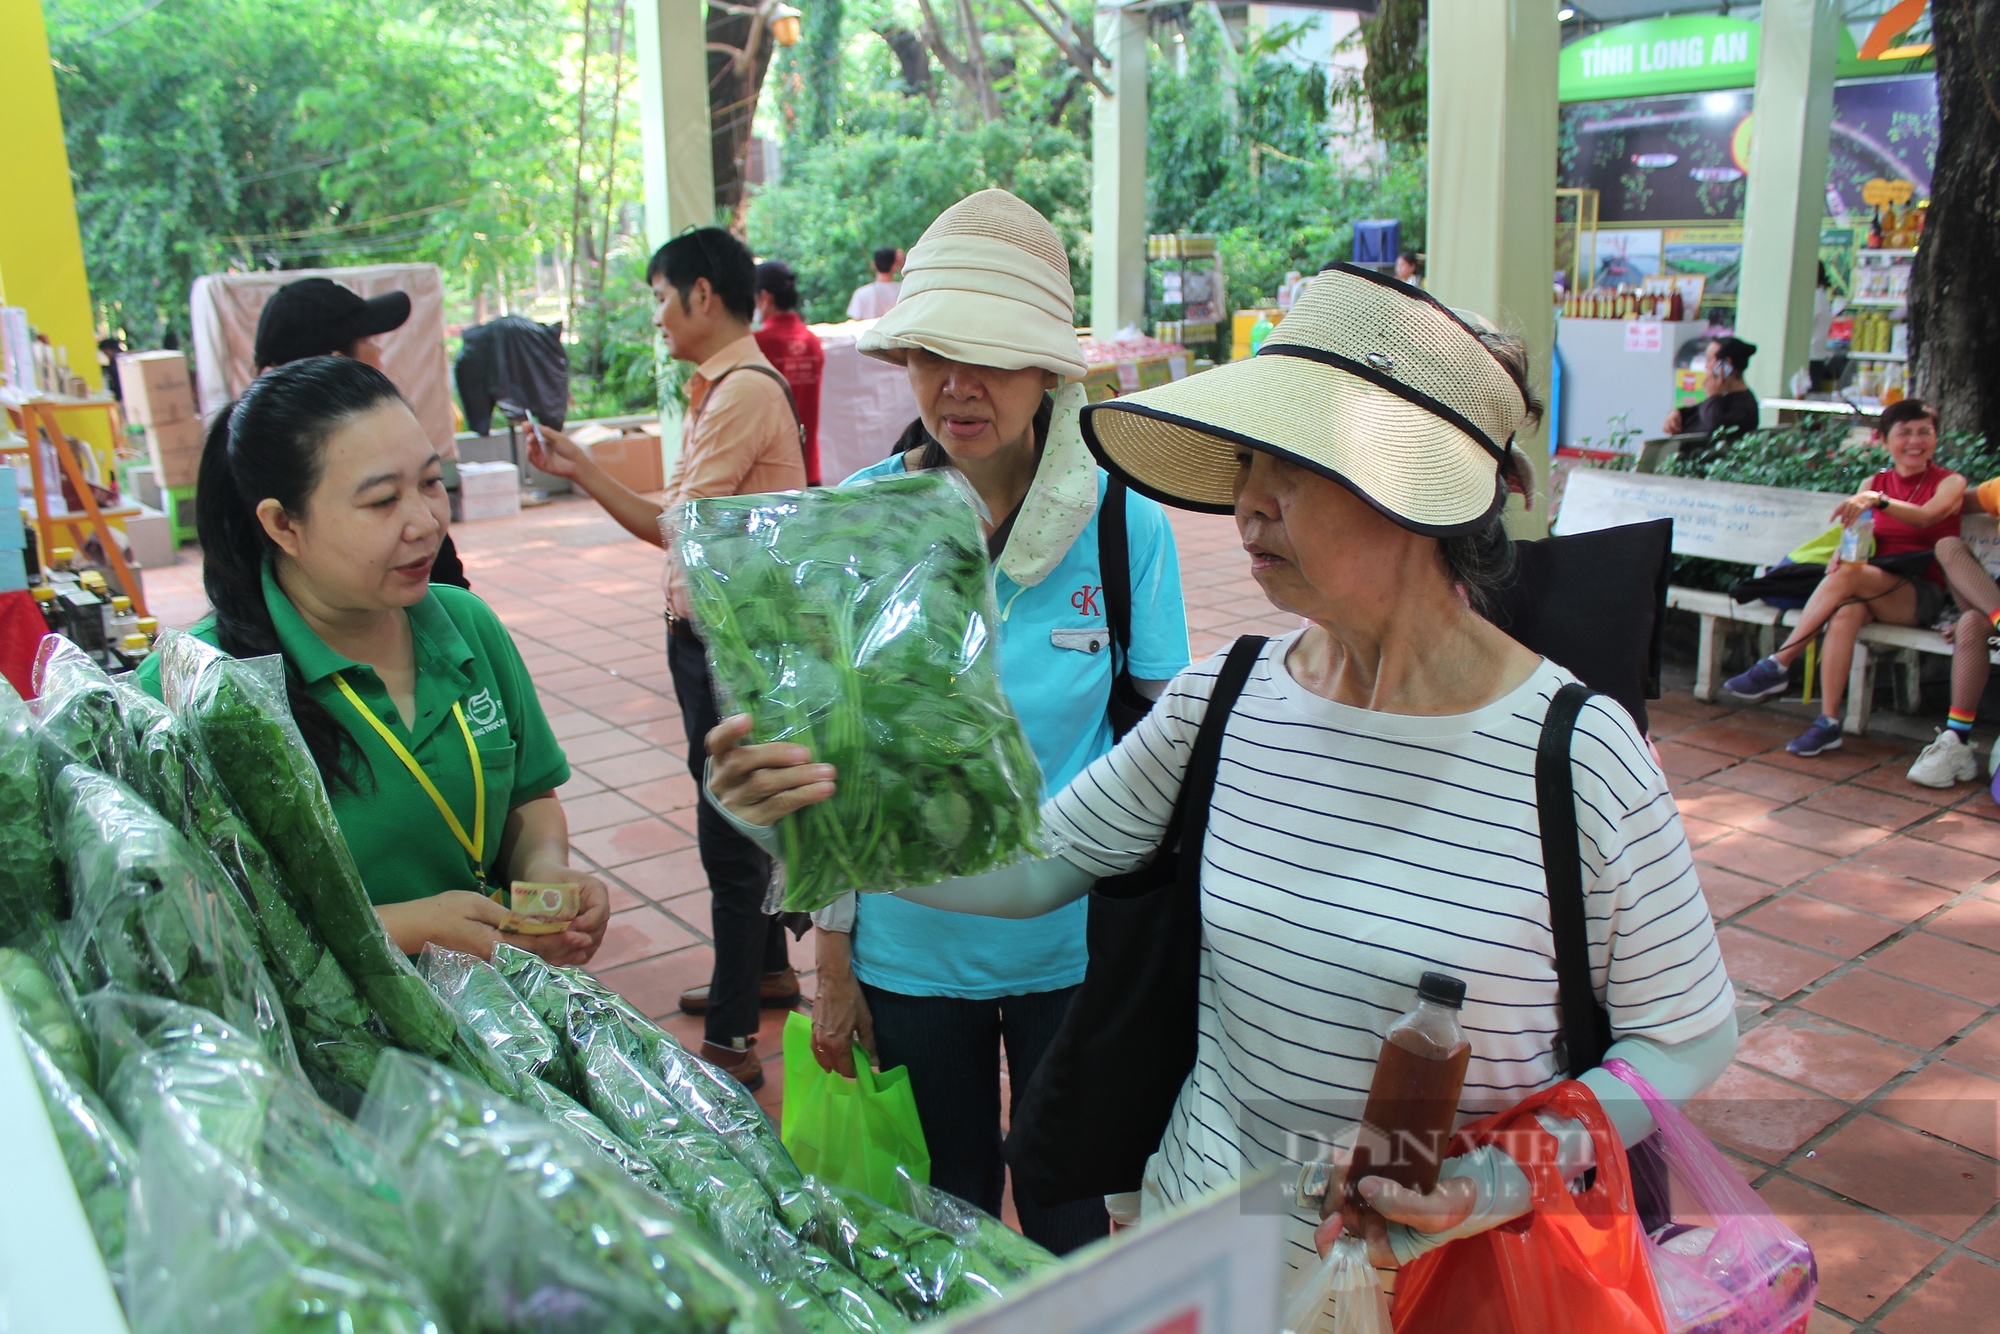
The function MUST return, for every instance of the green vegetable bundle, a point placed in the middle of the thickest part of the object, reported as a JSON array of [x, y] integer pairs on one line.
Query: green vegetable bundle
[[146, 916], [526, 1230], [237, 711], [917, 1266], [858, 621], [78, 711], [330, 1022], [101, 1160], [31, 894], [1005, 1249], [258, 1207], [517, 1035], [43, 1005]]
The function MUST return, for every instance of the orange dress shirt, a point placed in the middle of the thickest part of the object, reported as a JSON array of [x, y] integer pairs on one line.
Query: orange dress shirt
[[741, 439]]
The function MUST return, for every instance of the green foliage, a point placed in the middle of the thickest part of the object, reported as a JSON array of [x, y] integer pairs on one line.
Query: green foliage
[[284, 134], [1396, 79], [855, 622], [843, 198], [620, 367]]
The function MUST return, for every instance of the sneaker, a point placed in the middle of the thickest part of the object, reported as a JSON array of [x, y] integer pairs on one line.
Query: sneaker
[[1824, 734], [1946, 762], [1765, 678]]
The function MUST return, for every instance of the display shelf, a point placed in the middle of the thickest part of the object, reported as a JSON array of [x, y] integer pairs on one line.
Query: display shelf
[[1878, 302], [1888, 254], [1878, 356]]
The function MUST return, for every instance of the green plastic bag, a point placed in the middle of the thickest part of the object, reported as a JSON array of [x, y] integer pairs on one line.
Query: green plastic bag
[[850, 1132]]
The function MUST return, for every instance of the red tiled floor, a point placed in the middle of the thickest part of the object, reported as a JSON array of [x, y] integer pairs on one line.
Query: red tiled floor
[[1968, 833], [598, 811], [1827, 1057], [1976, 922], [1751, 1112], [1764, 858], [1766, 780], [1721, 804], [1979, 1049], [640, 934], [1948, 868], [1863, 1257], [1944, 965], [1963, 1295], [1811, 829], [1851, 801], [1950, 1103], [655, 985], [631, 842], [1891, 1008], [664, 878], [1686, 762], [1921, 1181], [1893, 896], [601, 745], [1729, 893], [635, 767], [1817, 924], [1737, 742], [1770, 966]]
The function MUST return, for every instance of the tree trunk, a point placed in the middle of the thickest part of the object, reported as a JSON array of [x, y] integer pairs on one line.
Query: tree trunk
[[733, 85], [913, 57], [1954, 313]]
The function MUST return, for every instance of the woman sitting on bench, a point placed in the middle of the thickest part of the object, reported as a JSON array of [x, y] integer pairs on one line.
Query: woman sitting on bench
[[1915, 505]]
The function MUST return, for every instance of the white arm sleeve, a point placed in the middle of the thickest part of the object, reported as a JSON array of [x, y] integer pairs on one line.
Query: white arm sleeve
[[1678, 1072], [1025, 889]]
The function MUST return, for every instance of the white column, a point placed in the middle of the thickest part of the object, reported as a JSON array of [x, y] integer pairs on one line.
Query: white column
[[1118, 194], [1491, 233], [1797, 47], [673, 117]]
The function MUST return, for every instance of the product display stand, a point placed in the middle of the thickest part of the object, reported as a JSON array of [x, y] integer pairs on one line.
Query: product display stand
[[41, 412]]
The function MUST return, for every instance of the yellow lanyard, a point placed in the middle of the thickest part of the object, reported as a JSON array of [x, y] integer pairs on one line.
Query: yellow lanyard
[[473, 846]]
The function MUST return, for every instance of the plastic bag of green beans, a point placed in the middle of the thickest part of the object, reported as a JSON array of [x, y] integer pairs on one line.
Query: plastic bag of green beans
[[858, 621]]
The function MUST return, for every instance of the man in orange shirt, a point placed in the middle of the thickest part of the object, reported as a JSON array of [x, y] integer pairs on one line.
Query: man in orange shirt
[[740, 437]]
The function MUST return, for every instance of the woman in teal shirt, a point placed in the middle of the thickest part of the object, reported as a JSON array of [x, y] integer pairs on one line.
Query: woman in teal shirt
[[985, 330], [320, 507]]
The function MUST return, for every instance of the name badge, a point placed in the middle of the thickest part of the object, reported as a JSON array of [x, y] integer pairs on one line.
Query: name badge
[[1086, 640]]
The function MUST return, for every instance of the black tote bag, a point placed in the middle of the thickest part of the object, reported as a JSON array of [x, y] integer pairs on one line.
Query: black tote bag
[[1095, 1108]]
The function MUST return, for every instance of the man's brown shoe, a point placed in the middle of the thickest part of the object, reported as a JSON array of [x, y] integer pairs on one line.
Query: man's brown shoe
[[742, 1066], [780, 991]]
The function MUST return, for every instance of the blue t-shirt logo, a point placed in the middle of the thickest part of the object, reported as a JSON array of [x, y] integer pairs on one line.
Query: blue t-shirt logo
[[1085, 599]]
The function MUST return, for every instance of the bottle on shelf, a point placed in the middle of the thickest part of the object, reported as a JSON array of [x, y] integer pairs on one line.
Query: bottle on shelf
[[123, 621], [132, 650], [62, 572], [45, 602]]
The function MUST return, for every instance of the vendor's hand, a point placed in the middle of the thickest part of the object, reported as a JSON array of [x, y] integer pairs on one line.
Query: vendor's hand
[[761, 784], [579, 943], [1672, 425], [840, 1012], [1856, 505], [554, 453], [457, 919]]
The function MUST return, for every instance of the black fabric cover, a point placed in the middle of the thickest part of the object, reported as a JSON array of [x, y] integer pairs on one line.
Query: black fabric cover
[[1596, 604], [513, 357], [1094, 1109], [1789, 585]]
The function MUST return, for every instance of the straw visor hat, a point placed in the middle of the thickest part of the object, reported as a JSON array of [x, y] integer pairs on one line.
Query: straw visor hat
[[987, 285], [1367, 381]]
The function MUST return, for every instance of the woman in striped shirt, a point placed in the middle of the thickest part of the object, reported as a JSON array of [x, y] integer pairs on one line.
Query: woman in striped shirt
[[1374, 814]]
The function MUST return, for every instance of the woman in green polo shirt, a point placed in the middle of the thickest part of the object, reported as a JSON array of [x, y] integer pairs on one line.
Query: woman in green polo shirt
[[320, 507]]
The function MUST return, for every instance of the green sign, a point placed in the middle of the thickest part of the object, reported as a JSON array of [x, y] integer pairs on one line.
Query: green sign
[[1688, 54], [1692, 53]]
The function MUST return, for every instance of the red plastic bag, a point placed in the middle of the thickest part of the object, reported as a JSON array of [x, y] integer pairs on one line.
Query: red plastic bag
[[1574, 1264]]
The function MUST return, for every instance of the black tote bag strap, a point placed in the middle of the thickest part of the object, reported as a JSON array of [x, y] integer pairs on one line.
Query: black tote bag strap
[[1114, 564], [1198, 784], [1586, 1030]]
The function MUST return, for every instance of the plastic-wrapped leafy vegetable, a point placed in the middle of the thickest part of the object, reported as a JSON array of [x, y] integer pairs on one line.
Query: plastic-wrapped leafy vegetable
[[526, 1230], [31, 890], [77, 710], [45, 1013], [146, 918], [238, 713], [216, 1247], [101, 1160], [330, 1021], [858, 621], [171, 1063], [1008, 1250], [920, 1268]]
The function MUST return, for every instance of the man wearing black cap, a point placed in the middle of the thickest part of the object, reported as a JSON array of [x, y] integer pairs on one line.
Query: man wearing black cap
[[317, 317]]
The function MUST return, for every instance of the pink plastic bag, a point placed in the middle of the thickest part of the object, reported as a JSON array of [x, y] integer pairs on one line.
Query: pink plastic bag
[[1725, 1264]]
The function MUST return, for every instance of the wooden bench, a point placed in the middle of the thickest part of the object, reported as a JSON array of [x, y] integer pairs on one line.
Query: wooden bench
[[1755, 525]]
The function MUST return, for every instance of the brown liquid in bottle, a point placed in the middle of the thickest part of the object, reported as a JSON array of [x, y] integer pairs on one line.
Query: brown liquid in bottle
[[1413, 1099]]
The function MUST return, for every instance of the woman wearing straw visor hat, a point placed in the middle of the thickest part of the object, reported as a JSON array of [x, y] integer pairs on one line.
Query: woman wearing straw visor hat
[[985, 328], [1374, 814]]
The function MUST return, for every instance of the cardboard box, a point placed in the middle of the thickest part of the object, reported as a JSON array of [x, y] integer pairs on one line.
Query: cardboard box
[[176, 450], [488, 479], [155, 388], [503, 506], [149, 539], [633, 460]]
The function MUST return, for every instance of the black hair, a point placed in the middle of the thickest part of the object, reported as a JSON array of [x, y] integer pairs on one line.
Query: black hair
[[885, 259], [1416, 261], [270, 445], [711, 253], [1824, 280], [1736, 352], [1482, 561], [916, 436], [1903, 410], [776, 277]]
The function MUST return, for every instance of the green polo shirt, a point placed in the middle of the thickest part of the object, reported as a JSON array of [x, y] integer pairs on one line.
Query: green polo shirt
[[400, 841]]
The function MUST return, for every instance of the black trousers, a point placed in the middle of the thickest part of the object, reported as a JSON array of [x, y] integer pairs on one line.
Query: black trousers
[[952, 1048], [748, 942]]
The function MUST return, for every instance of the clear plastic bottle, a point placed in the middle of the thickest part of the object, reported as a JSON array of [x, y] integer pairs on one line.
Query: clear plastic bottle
[[1413, 1100], [1857, 539]]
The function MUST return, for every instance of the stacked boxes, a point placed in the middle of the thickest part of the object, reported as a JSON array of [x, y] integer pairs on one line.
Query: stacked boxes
[[13, 535], [488, 491], [160, 397]]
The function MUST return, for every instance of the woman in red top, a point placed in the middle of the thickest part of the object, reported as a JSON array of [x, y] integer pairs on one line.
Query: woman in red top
[[1915, 505], [793, 348]]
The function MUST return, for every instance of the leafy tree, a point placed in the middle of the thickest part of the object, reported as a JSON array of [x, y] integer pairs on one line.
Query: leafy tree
[[207, 134]]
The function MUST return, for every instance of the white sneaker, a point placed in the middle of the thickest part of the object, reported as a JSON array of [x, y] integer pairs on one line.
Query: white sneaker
[[1946, 761]]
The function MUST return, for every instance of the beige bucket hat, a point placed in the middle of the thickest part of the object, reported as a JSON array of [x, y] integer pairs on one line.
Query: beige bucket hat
[[1368, 381], [988, 285]]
